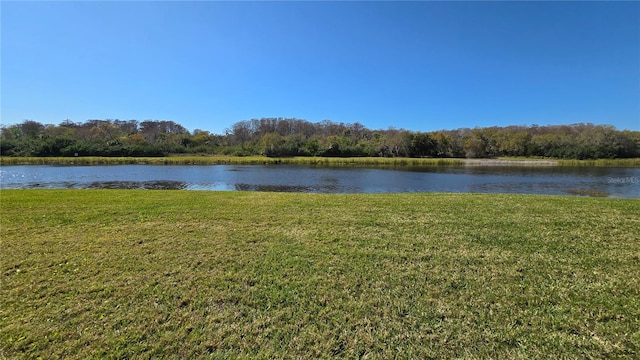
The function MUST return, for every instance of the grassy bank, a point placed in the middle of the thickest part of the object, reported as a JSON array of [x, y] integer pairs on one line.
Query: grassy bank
[[326, 161], [226, 160], [109, 273]]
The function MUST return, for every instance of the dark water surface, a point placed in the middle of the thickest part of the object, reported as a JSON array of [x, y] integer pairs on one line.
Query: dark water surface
[[595, 181]]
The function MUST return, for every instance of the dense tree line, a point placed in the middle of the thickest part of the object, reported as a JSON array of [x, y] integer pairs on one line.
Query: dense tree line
[[296, 137]]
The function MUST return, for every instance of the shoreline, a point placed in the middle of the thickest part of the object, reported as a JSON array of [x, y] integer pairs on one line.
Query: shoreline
[[315, 161], [508, 162]]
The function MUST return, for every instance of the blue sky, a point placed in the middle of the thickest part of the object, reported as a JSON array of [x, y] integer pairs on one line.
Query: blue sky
[[421, 66]]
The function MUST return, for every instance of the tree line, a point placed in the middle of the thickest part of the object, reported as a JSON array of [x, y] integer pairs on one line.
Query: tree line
[[279, 137]]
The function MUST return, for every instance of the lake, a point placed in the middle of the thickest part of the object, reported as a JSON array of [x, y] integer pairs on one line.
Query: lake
[[593, 181]]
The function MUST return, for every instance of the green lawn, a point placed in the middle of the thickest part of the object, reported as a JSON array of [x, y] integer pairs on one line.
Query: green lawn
[[185, 274]]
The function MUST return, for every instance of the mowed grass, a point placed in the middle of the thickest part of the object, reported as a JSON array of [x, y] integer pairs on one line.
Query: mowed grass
[[178, 274]]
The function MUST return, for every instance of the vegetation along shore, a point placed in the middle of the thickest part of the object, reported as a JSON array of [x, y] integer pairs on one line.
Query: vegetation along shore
[[121, 273], [319, 161], [280, 137]]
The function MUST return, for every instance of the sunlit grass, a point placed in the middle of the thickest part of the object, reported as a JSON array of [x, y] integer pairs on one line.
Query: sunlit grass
[[221, 160], [118, 274], [602, 162], [632, 162]]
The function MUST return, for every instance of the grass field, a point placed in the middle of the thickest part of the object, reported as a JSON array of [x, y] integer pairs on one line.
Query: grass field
[[323, 161], [186, 274]]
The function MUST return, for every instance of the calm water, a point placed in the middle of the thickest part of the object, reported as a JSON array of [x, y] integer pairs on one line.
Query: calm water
[[612, 182]]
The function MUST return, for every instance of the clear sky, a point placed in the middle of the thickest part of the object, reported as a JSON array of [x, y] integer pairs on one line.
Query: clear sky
[[416, 65]]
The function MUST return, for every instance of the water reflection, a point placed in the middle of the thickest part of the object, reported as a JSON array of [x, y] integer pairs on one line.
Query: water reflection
[[139, 185], [273, 188], [612, 182], [123, 185]]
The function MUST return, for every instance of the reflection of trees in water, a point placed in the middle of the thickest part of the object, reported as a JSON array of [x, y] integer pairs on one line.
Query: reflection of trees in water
[[329, 187], [142, 185], [273, 188], [551, 180]]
